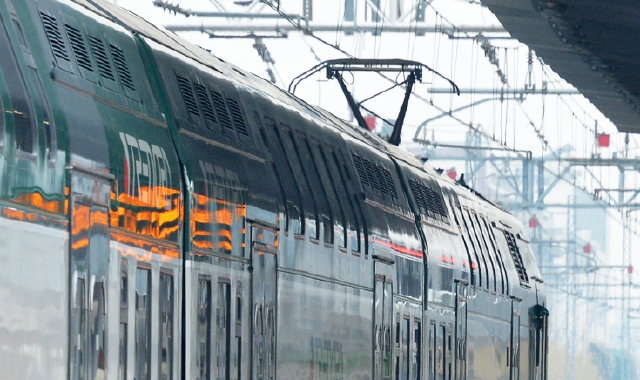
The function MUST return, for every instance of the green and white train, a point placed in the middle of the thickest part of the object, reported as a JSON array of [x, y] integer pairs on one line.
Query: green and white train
[[166, 215]]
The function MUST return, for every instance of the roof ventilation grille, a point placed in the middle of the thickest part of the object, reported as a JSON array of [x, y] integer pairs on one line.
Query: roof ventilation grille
[[236, 114], [54, 36], [221, 109], [100, 54], [187, 96], [79, 48], [205, 103], [121, 65]]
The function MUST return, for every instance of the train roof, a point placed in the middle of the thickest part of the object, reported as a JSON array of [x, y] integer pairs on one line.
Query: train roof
[[175, 44]]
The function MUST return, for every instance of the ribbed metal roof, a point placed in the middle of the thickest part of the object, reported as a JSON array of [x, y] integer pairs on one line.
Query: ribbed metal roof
[[592, 44]]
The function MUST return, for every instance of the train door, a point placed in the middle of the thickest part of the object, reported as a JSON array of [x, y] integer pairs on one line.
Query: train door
[[382, 321], [263, 261], [408, 337], [89, 257], [538, 337], [461, 330], [514, 349]]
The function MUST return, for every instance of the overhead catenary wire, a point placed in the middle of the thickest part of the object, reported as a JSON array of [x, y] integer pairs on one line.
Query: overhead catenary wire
[[476, 129]]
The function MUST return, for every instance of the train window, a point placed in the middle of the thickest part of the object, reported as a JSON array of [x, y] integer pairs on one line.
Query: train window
[[351, 227], [312, 181], [165, 336], [538, 335], [98, 313], [21, 109], [327, 180], [432, 350], [465, 242], [223, 324], [337, 199], [398, 348], [283, 170], [442, 348], [360, 223], [124, 311], [203, 328], [294, 160], [476, 264], [388, 317], [406, 347], [2, 122], [480, 235], [203, 320], [238, 331], [417, 350], [143, 324], [258, 331], [47, 121], [483, 269], [500, 257], [496, 252], [450, 352], [77, 328]]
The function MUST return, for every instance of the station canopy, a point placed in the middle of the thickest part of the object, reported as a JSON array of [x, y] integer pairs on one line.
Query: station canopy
[[592, 44]]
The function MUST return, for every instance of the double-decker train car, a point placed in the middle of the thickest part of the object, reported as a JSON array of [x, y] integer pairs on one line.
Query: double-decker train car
[[166, 215]]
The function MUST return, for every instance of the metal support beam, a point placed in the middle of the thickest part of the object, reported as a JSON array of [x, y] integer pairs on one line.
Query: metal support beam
[[526, 206], [507, 91], [314, 27]]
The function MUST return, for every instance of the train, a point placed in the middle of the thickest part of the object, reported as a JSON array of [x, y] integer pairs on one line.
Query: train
[[167, 215]]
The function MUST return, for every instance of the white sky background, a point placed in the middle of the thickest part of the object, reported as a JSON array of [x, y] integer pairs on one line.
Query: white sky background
[[562, 121]]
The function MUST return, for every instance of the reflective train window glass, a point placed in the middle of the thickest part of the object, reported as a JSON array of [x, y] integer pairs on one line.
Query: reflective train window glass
[[470, 266], [223, 327], [165, 352], [357, 212], [20, 109], [2, 122], [77, 351], [442, 346], [432, 351], [124, 308], [238, 333], [302, 174], [481, 236], [482, 265], [49, 130], [417, 350], [203, 328], [498, 256], [98, 351], [315, 181], [294, 160], [333, 184], [143, 324], [335, 207], [284, 171]]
